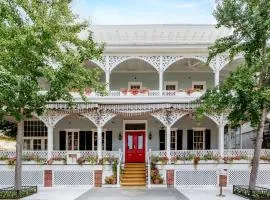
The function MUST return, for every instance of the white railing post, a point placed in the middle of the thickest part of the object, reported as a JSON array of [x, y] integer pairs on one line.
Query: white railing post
[[119, 167], [107, 74], [149, 169]]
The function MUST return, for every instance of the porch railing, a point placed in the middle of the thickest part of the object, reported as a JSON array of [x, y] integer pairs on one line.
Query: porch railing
[[149, 168], [120, 156], [200, 153]]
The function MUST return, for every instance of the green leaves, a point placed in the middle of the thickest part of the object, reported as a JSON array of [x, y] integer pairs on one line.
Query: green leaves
[[245, 93], [39, 43]]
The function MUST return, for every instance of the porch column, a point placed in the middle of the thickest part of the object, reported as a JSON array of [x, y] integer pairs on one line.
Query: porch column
[[107, 80], [168, 146], [229, 136], [221, 139], [99, 142], [216, 78], [50, 141], [160, 82]]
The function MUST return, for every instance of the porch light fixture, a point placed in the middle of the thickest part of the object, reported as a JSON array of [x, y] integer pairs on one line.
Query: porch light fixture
[[120, 136], [150, 135]]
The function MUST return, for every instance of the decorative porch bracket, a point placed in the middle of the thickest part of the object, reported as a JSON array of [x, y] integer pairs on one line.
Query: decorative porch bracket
[[168, 117], [221, 121], [50, 119], [99, 117]]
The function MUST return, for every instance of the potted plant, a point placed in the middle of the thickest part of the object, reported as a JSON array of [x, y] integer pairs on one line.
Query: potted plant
[[240, 159], [3, 159], [188, 158], [93, 160], [196, 160], [265, 158], [57, 160]]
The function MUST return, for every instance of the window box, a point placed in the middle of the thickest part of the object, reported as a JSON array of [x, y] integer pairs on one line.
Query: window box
[[3, 162], [30, 162]]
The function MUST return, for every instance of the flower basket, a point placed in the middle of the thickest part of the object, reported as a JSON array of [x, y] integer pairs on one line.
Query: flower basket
[[179, 162]]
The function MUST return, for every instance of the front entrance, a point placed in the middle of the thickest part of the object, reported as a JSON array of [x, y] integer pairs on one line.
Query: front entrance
[[135, 147]]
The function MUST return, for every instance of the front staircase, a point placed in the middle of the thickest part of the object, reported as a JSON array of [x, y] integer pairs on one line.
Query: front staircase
[[134, 175]]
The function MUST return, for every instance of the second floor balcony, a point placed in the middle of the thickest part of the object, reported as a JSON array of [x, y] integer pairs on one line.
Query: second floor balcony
[[185, 79]]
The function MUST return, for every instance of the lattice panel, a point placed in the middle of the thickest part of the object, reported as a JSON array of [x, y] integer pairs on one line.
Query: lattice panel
[[241, 177], [70, 177], [238, 177], [195, 178], [28, 178]]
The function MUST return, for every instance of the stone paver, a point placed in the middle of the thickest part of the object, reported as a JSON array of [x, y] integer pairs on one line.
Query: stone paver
[[209, 194], [132, 194], [66, 193]]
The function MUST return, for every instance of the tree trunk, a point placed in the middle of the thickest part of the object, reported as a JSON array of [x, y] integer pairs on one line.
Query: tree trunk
[[18, 166], [257, 151]]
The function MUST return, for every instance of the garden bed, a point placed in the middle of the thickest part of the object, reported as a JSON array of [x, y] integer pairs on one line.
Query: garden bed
[[258, 193], [11, 193]]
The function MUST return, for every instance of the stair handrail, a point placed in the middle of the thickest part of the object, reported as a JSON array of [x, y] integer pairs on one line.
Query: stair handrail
[[149, 169], [119, 167]]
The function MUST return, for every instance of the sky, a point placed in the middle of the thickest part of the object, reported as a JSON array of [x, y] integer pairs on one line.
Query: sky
[[112, 12]]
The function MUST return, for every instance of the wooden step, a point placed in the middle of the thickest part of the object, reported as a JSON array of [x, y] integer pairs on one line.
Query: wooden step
[[133, 175], [134, 184], [134, 172], [135, 179], [133, 169]]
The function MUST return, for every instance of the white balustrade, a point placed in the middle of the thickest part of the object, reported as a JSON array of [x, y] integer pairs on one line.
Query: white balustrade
[[239, 152], [114, 93], [159, 153], [153, 93], [114, 154], [40, 154], [88, 153], [199, 153]]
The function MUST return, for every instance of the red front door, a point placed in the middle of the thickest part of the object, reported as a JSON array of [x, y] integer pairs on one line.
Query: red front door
[[135, 147]]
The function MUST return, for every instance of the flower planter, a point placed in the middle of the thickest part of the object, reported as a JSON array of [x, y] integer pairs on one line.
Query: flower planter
[[159, 163], [58, 162], [3, 162], [182, 94], [179, 162], [31, 162], [188, 161], [196, 94], [240, 161]]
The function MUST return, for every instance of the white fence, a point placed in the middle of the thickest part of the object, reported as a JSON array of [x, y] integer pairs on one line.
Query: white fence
[[73, 177]]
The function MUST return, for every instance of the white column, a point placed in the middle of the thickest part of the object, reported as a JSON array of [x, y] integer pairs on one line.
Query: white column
[[221, 140], [99, 142], [107, 80], [216, 78], [50, 141], [229, 136], [160, 82], [168, 146]]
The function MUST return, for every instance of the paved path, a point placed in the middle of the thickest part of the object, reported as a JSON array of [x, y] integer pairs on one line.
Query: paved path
[[66, 193], [132, 194], [209, 194]]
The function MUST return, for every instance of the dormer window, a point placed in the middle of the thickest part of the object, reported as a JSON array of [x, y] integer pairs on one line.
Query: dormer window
[[135, 85], [171, 85], [198, 85]]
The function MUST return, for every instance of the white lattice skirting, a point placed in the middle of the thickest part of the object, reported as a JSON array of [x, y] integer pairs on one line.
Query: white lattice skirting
[[70, 177], [209, 177], [28, 178]]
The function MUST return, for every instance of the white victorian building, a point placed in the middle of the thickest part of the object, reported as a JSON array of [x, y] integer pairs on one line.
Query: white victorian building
[[154, 75]]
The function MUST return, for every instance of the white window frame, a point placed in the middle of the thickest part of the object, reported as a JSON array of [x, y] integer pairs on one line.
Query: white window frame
[[134, 83], [72, 131], [199, 83], [199, 129], [175, 132], [171, 83], [42, 138], [93, 139]]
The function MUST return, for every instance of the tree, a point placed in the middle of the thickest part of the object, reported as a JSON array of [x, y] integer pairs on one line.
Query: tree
[[39, 41], [245, 95]]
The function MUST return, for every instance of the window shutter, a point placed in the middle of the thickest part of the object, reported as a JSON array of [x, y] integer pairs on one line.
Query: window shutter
[[161, 140], [207, 139], [62, 140], [82, 140], [108, 140], [190, 139], [179, 139], [88, 140]]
